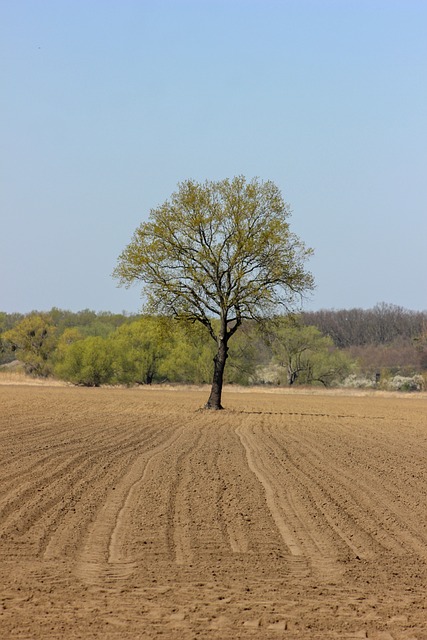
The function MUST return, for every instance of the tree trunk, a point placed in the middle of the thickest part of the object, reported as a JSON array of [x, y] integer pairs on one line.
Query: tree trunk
[[214, 401], [292, 376]]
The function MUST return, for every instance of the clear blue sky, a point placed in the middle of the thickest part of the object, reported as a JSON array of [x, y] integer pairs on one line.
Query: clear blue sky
[[106, 105]]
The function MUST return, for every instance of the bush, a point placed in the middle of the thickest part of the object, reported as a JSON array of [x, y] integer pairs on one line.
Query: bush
[[354, 381], [404, 383], [87, 362]]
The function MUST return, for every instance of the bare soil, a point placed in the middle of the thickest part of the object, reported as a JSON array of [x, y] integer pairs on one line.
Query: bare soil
[[130, 514]]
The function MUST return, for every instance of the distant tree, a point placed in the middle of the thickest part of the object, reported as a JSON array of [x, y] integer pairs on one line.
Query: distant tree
[[421, 348], [33, 341], [306, 355], [87, 362], [69, 337], [188, 355], [402, 356], [9, 320], [219, 250], [138, 349], [247, 352]]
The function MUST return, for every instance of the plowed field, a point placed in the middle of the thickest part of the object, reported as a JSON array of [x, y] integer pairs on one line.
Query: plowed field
[[130, 514]]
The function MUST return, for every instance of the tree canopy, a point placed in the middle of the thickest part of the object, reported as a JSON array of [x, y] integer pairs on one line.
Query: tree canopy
[[218, 250]]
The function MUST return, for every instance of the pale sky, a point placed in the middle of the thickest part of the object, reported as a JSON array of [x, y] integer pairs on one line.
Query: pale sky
[[107, 104]]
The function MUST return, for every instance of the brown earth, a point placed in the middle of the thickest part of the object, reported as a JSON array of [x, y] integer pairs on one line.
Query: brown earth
[[129, 514]]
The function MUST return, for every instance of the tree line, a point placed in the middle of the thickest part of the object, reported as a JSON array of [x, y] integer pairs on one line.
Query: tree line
[[383, 324], [385, 338], [91, 349]]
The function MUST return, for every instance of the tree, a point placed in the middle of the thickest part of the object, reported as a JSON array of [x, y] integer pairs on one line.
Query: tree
[[33, 340], [247, 351], [88, 362], [307, 356], [138, 347], [188, 356], [218, 250]]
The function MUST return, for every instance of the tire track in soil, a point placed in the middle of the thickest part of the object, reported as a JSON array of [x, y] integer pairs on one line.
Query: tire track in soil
[[310, 550], [375, 514], [317, 503], [44, 511], [204, 526], [101, 561], [234, 522], [197, 525], [34, 512], [274, 494], [49, 467], [179, 511], [247, 520], [208, 512], [89, 491]]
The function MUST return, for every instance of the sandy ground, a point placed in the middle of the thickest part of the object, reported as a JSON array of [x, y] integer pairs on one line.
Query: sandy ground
[[129, 514]]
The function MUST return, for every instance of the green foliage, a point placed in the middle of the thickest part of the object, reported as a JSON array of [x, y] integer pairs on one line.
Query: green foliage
[[40, 340], [307, 356], [328, 367], [189, 355], [88, 322], [247, 351], [10, 320], [6, 351], [144, 349], [138, 349], [69, 337], [33, 341], [218, 249], [87, 362], [218, 254]]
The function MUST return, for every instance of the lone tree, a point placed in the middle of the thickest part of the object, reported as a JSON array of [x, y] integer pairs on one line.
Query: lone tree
[[218, 253]]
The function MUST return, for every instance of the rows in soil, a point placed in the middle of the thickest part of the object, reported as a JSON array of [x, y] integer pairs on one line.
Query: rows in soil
[[296, 514]]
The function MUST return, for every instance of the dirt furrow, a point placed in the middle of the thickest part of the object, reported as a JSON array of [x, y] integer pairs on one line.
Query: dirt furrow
[[179, 508], [55, 491], [321, 507], [274, 495], [367, 498], [138, 517], [102, 553]]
